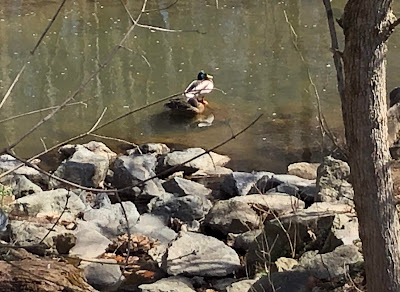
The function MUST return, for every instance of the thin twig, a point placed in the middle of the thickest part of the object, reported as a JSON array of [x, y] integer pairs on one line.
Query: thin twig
[[128, 230], [48, 27], [12, 85], [44, 144], [325, 130], [58, 219], [156, 28], [39, 111], [114, 139]]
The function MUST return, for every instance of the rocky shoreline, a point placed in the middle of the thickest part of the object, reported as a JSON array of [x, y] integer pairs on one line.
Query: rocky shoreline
[[196, 226]]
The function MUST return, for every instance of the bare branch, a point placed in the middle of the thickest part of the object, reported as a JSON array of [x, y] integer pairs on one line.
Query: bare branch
[[12, 86], [58, 219], [156, 28], [335, 48], [39, 111], [48, 27], [113, 139], [98, 121], [325, 130], [164, 8]]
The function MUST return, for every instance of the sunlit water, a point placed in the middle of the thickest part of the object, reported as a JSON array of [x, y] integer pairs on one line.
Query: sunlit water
[[247, 45]]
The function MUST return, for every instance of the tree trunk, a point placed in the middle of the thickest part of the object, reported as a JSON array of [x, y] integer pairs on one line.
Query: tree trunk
[[366, 27]]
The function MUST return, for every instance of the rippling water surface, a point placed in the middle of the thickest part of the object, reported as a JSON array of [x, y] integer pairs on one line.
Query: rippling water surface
[[247, 45]]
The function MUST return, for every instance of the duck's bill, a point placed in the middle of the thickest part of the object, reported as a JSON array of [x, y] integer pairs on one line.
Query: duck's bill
[[210, 76]]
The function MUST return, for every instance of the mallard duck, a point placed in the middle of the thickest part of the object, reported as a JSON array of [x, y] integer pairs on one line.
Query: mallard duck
[[193, 101]]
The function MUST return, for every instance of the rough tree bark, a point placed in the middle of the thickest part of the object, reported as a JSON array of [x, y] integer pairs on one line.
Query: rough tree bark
[[367, 24]]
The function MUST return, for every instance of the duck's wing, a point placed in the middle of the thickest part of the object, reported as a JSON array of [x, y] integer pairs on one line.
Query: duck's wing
[[190, 91], [203, 87]]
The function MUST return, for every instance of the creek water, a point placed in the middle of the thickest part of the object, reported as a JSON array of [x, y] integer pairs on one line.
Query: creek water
[[249, 47]]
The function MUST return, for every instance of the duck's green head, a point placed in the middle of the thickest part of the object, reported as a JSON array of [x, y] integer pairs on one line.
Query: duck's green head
[[204, 76]]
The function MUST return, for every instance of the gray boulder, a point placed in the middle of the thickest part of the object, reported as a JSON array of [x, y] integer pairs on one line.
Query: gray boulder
[[29, 233], [232, 216], [332, 181], [101, 149], [103, 275], [206, 161], [241, 214], [3, 221], [49, 204], [243, 241], [171, 284], [20, 185], [240, 183], [8, 162], [110, 221], [154, 227], [133, 170], [195, 254], [183, 187], [304, 169], [289, 281], [266, 183], [89, 242], [186, 208], [330, 265], [85, 168]]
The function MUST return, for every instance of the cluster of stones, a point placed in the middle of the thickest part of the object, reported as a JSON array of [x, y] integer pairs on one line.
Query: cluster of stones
[[204, 216]]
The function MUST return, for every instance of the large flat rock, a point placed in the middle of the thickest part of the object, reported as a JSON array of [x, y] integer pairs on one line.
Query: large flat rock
[[195, 254]]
